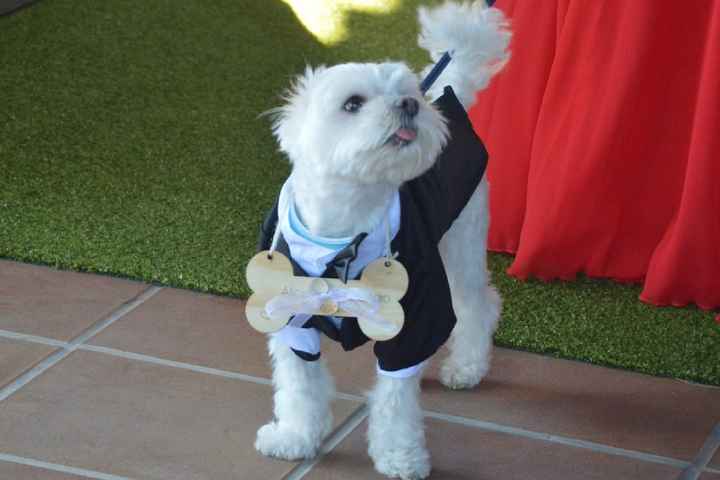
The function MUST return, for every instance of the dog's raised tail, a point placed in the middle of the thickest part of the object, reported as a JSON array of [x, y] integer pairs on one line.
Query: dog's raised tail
[[477, 38]]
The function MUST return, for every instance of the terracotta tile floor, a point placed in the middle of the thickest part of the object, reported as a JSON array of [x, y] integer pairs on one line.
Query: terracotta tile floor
[[110, 379]]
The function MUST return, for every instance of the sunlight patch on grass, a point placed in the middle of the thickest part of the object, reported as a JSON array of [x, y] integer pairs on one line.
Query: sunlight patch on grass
[[325, 19]]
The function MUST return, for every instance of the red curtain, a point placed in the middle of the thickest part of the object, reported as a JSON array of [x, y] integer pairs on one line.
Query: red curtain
[[604, 136]]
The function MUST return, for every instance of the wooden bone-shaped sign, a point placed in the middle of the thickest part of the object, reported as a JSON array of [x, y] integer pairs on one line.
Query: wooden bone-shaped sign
[[271, 275]]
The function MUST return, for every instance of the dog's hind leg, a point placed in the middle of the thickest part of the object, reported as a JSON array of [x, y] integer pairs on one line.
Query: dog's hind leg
[[476, 303], [303, 391], [395, 428]]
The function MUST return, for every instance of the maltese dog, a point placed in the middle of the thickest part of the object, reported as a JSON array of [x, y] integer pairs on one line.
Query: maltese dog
[[381, 168]]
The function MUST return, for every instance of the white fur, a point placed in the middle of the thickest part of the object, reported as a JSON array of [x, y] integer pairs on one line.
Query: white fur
[[344, 175], [302, 406], [346, 154], [476, 303], [478, 38], [396, 437]]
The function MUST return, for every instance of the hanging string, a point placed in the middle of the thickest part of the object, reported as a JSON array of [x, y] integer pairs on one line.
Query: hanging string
[[435, 72], [388, 242], [275, 240]]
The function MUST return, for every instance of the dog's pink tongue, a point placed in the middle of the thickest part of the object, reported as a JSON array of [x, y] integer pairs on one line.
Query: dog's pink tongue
[[406, 134]]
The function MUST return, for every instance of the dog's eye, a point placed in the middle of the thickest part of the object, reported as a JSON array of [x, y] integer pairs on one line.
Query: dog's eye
[[353, 103]]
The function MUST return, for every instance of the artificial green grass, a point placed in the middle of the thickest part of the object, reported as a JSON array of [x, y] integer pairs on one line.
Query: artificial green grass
[[130, 145]]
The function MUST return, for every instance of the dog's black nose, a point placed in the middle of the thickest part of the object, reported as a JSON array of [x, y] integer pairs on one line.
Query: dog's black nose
[[408, 105]]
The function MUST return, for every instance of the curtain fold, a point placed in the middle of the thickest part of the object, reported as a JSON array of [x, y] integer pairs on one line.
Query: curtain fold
[[604, 134]]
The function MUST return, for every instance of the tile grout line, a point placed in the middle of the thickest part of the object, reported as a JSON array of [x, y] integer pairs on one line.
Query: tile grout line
[[340, 434], [706, 453], [158, 361], [32, 338], [469, 422], [59, 468], [197, 368], [69, 347], [558, 439], [39, 368], [120, 312], [174, 364]]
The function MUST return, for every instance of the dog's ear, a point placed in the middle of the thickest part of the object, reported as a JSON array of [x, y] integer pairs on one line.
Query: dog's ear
[[288, 120]]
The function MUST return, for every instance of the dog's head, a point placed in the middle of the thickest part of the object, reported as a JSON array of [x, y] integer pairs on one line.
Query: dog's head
[[364, 122]]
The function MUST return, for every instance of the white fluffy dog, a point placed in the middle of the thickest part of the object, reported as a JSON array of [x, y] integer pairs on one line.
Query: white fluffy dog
[[354, 134]]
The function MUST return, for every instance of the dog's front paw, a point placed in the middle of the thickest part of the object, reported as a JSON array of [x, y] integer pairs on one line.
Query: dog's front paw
[[274, 440], [459, 376], [404, 463]]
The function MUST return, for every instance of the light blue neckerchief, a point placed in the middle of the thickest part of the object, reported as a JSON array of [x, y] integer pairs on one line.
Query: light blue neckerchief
[[297, 226], [313, 253]]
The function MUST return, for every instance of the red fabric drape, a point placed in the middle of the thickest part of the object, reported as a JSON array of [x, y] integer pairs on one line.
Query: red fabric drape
[[604, 136]]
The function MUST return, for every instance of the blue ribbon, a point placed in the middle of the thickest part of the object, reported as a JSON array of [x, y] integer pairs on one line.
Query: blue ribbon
[[435, 72]]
